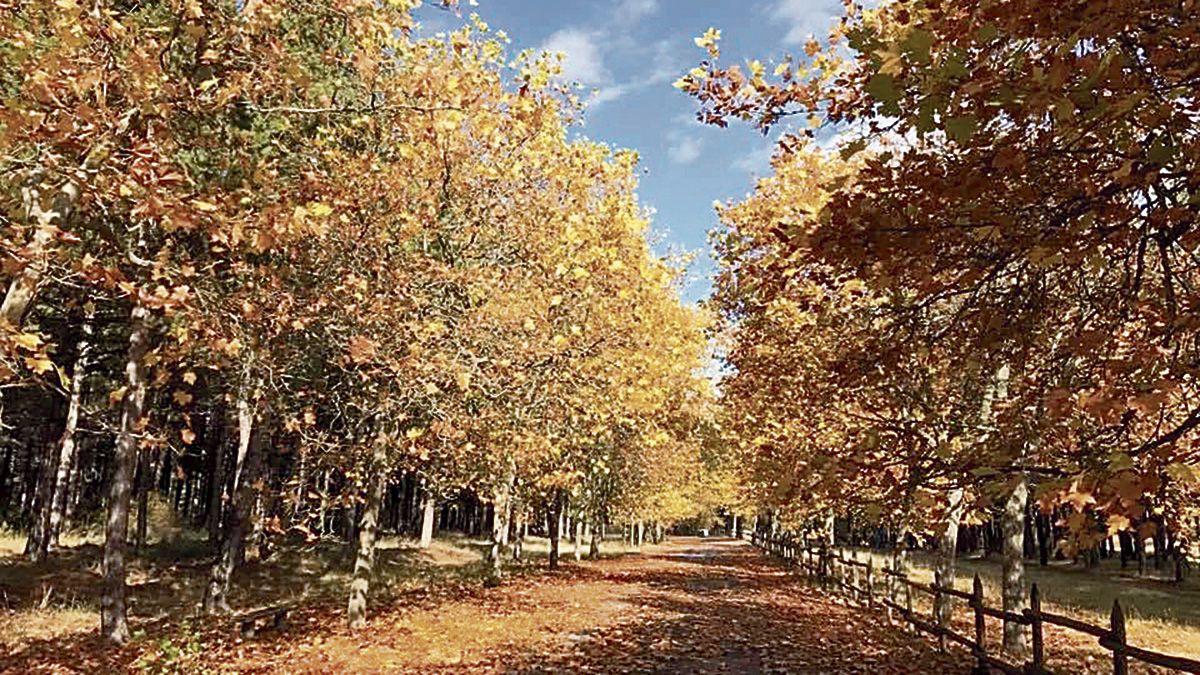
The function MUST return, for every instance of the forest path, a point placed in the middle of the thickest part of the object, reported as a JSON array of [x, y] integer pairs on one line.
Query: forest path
[[687, 606]]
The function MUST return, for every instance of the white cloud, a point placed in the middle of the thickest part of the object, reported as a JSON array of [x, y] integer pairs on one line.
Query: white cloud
[[629, 11], [685, 149], [806, 18], [757, 162], [609, 93], [583, 58]]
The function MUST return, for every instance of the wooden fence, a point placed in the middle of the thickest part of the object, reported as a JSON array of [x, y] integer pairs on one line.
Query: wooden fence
[[859, 579]]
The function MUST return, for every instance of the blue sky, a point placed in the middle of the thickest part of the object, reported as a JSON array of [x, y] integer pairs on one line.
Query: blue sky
[[631, 51]]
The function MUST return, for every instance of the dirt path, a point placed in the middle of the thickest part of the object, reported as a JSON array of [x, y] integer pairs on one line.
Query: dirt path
[[689, 606]]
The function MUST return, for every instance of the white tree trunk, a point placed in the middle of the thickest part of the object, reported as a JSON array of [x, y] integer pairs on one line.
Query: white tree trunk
[[500, 510], [23, 287], [945, 569], [364, 564], [1013, 527], [427, 508]]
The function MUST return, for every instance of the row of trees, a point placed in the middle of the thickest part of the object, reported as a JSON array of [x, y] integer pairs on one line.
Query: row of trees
[[979, 303], [273, 259]]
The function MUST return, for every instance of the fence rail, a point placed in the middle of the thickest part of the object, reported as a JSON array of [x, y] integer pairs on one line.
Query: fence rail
[[860, 579]]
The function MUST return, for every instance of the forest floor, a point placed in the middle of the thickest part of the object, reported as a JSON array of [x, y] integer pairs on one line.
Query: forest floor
[[687, 606]]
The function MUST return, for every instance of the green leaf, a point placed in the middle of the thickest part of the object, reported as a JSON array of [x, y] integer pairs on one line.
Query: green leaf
[[917, 45], [962, 128], [882, 87], [851, 149], [987, 33], [1160, 152]]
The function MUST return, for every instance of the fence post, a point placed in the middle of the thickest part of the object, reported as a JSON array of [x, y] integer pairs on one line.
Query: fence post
[[823, 567], [870, 582], [1035, 626], [977, 605], [937, 609], [1120, 660], [854, 574]]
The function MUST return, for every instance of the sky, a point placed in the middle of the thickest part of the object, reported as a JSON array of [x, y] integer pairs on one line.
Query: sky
[[630, 52]]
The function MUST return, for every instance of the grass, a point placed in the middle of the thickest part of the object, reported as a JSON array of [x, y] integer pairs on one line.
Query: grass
[[166, 580], [1161, 615]]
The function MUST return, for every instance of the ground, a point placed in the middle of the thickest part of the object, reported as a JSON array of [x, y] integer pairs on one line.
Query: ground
[[687, 606]]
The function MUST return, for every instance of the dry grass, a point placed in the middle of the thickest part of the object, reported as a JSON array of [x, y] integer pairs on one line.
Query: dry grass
[[1161, 615], [60, 597]]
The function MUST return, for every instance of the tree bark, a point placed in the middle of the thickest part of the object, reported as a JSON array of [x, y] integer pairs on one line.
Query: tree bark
[[427, 508], [23, 287], [113, 624], [216, 495], [947, 549], [594, 548], [142, 485], [67, 449], [364, 565], [234, 533], [555, 518], [578, 539], [500, 510], [1013, 526], [518, 535]]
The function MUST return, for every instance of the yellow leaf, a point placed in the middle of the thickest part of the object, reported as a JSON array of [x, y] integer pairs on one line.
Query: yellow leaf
[[30, 341], [39, 365], [189, 377], [181, 397], [188, 436], [319, 210], [206, 207]]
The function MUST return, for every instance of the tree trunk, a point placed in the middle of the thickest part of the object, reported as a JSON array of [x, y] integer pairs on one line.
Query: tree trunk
[[113, 624], [234, 533], [500, 510], [1013, 526], [555, 518], [945, 570], [427, 508], [23, 287], [364, 565], [37, 542], [594, 549], [216, 493], [142, 485], [578, 539], [518, 536], [66, 457]]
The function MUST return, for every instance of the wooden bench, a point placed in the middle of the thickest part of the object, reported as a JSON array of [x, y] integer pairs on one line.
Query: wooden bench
[[249, 624]]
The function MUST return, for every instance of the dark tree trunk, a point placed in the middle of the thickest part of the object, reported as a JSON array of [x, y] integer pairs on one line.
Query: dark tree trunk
[[554, 525], [250, 434], [113, 624]]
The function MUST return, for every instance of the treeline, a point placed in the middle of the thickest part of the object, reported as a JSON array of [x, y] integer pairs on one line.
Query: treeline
[[300, 273], [976, 304]]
